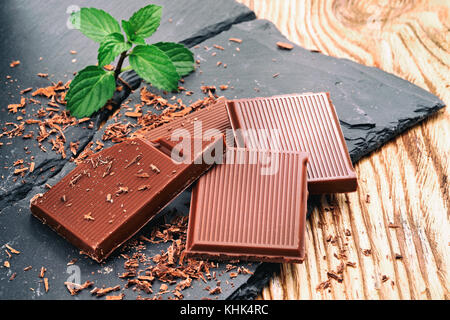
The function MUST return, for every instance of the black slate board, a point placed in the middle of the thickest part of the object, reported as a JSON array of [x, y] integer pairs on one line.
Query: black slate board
[[373, 107]]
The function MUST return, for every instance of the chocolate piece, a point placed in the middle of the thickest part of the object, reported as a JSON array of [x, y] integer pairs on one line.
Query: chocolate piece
[[198, 123], [113, 194], [251, 208], [298, 122]]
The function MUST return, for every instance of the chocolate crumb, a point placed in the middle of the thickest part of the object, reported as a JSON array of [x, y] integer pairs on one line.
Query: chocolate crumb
[[42, 272], [88, 217], [46, 284], [12, 249], [117, 297], [14, 63], [237, 40], [323, 285], [284, 45], [154, 168], [216, 290], [144, 187]]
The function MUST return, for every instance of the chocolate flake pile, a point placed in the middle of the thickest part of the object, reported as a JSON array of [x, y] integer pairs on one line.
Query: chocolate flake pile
[[48, 124], [170, 266]]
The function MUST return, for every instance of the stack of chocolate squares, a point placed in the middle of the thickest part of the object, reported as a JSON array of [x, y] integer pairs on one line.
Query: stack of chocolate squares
[[266, 155]]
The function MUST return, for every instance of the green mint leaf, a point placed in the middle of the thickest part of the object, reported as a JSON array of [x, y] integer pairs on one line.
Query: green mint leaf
[[111, 46], [89, 91], [144, 22], [138, 40], [132, 37], [94, 23], [154, 66], [181, 57]]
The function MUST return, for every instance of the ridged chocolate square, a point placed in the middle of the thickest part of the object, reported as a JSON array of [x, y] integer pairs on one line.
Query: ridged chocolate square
[[238, 211], [303, 122]]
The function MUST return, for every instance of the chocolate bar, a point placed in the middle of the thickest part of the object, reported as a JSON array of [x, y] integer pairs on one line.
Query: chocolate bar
[[252, 207], [110, 196], [298, 122]]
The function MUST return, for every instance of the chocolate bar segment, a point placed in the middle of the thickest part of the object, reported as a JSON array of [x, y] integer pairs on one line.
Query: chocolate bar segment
[[106, 199], [252, 207], [198, 123], [298, 122]]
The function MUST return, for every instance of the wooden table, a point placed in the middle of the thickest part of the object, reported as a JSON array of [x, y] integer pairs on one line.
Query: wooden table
[[390, 239]]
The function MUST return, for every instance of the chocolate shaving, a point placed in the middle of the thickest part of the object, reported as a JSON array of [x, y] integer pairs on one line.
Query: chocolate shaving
[[25, 90], [46, 284], [284, 45], [154, 168], [121, 190], [216, 290], [101, 292], [323, 285], [237, 40], [142, 175], [42, 272], [118, 297], [74, 288], [13, 276], [88, 217], [14, 63], [75, 179], [13, 108], [12, 249]]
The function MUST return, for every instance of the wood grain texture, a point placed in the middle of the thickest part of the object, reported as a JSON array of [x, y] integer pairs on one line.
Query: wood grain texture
[[390, 239]]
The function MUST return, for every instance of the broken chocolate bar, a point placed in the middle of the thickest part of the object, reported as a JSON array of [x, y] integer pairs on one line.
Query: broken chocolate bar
[[110, 196], [252, 207], [298, 122]]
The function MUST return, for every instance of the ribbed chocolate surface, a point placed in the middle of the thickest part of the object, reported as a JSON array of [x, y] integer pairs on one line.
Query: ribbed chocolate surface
[[239, 212], [197, 123], [303, 122], [109, 197]]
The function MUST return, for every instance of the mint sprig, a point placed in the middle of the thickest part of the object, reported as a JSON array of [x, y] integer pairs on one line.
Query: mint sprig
[[161, 64]]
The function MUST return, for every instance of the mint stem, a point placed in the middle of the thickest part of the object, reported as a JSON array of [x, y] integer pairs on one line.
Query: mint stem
[[123, 55]]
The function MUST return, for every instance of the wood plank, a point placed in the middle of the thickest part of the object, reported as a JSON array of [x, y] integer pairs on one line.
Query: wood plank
[[401, 209]]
